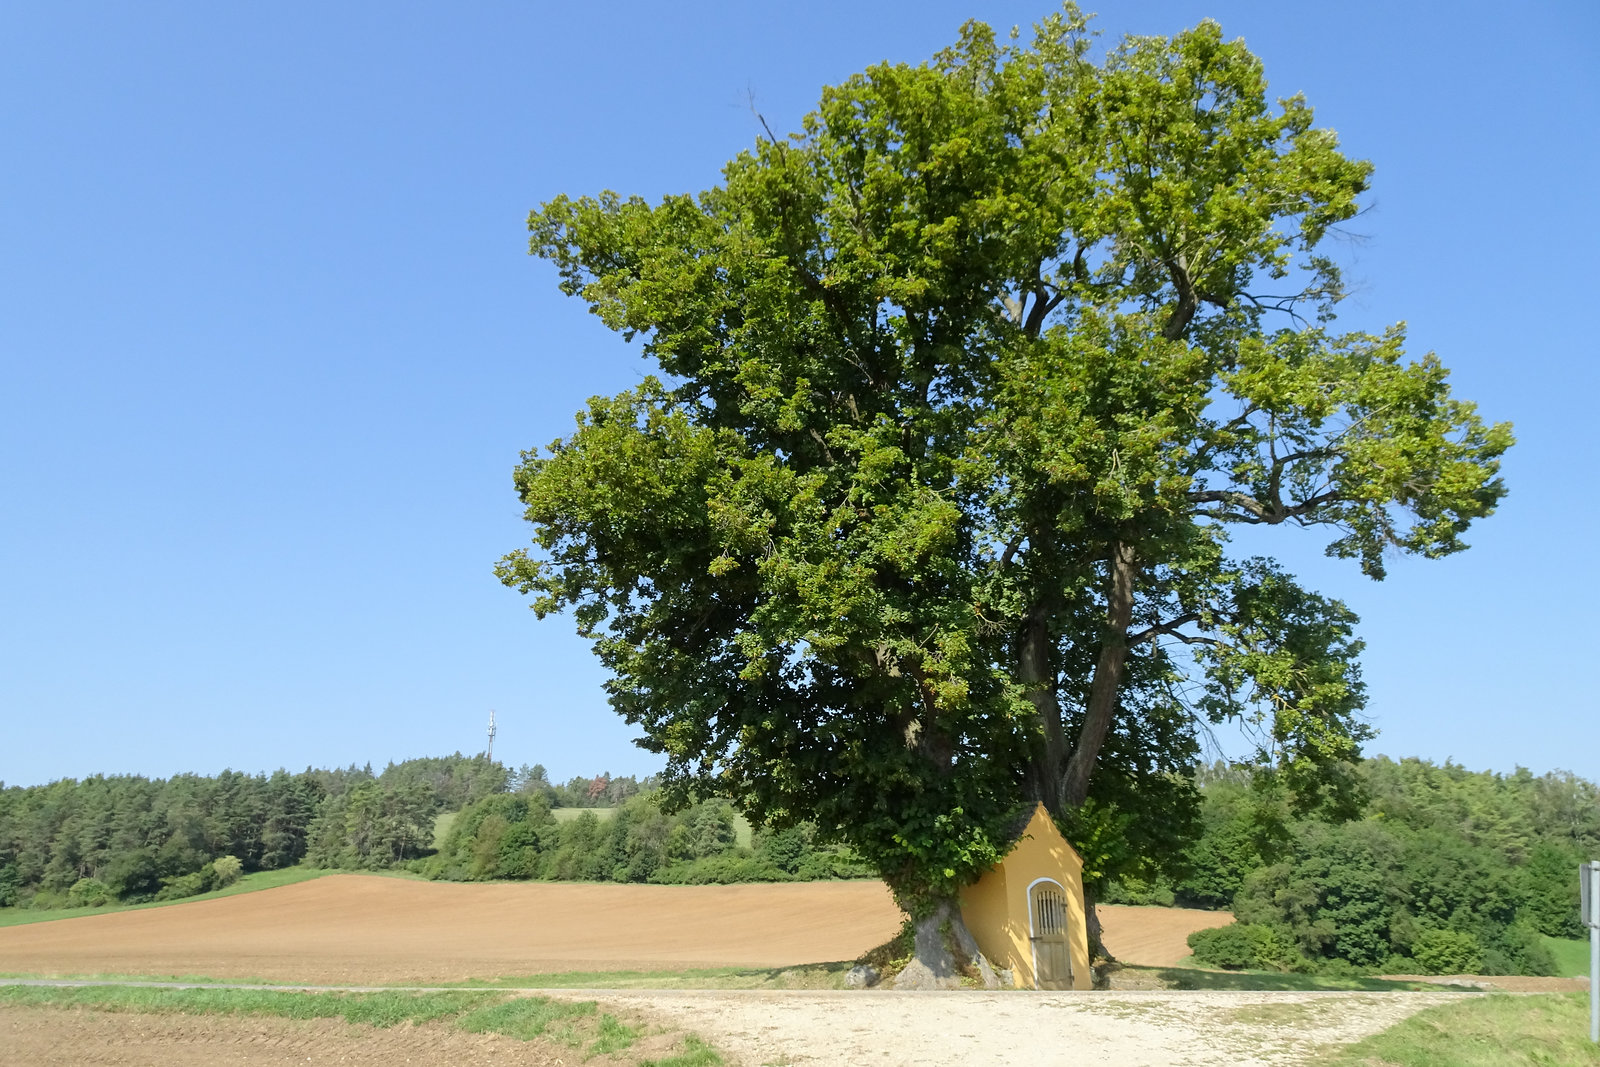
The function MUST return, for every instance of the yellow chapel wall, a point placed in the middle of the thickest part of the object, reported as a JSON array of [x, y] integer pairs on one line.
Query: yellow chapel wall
[[995, 908]]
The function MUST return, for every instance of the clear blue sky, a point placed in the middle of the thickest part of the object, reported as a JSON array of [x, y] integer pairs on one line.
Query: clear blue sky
[[270, 344]]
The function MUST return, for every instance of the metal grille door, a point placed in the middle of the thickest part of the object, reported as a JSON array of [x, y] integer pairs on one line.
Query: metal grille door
[[1048, 907]]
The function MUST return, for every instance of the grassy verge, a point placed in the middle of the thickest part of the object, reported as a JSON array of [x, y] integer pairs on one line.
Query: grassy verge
[[579, 1025], [114, 979], [809, 976], [1496, 1030], [1572, 957], [250, 883], [1195, 978]]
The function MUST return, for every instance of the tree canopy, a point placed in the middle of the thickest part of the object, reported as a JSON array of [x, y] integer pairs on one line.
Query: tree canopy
[[961, 389]]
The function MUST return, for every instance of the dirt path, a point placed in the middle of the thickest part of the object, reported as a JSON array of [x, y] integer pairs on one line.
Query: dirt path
[[758, 1029], [972, 1029]]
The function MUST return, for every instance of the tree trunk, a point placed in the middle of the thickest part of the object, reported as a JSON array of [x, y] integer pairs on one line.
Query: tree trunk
[[1037, 673], [946, 955], [1099, 712], [1097, 945], [1101, 707]]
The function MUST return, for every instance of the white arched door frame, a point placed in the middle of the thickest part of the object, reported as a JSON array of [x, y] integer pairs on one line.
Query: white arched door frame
[[1033, 948]]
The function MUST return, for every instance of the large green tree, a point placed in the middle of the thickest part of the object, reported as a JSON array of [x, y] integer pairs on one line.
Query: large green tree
[[962, 389]]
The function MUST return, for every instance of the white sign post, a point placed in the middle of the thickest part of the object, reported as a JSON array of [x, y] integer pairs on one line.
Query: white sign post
[[1589, 898]]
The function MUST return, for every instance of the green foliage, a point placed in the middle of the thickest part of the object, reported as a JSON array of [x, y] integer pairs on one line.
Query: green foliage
[[1435, 868], [601, 791], [518, 836], [227, 870], [372, 825], [524, 1018], [1245, 821], [1549, 889], [166, 839], [46, 906], [1515, 949], [217, 874], [1241, 946], [187, 885], [1138, 892], [720, 870], [372, 1009], [1447, 952], [962, 388], [134, 875], [696, 1053], [1195, 978], [451, 782], [1571, 955], [88, 893]]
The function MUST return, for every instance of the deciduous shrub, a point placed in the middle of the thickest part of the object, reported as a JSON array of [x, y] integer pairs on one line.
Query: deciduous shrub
[[1447, 952], [88, 893], [1138, 892], [227, 869], [133, 876], [519, 836], [1241, 946], [1436, 869]]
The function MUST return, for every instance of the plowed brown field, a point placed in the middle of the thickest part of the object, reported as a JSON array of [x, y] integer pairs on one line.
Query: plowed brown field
[[355, 928], [362, 929], [1154, 937], [48, 1037]]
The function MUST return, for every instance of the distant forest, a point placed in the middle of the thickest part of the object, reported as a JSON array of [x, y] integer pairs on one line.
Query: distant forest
[[129, 839], [1412, 867]]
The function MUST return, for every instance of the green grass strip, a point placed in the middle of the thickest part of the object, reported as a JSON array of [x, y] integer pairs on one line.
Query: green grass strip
[[524, 1018], [372, 1009], [1571, 956], [1548, 1030], [576, 1024], [250, 883], [612, 1036], [1195, 978], [696, 1053], [805, 976]]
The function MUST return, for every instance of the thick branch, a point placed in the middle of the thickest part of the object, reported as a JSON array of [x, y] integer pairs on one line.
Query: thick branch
[[1169, 628], [823, 442], [1011, 550], [1107, 681], [1258, 511], [1188, 299], [1037, 673], [1041, 308], [1253, 511]]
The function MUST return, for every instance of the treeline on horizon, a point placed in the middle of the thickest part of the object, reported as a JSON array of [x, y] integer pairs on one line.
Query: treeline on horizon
[[1416, 868], [130, 839]]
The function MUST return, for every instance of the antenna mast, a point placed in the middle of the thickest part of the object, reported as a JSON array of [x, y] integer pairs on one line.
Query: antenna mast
[[491, 735]]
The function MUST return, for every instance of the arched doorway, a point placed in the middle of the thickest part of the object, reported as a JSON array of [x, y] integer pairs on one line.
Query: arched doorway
[[1047, 922]]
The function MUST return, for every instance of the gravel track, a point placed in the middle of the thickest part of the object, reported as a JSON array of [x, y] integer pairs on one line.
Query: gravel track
[[763, 1028]]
